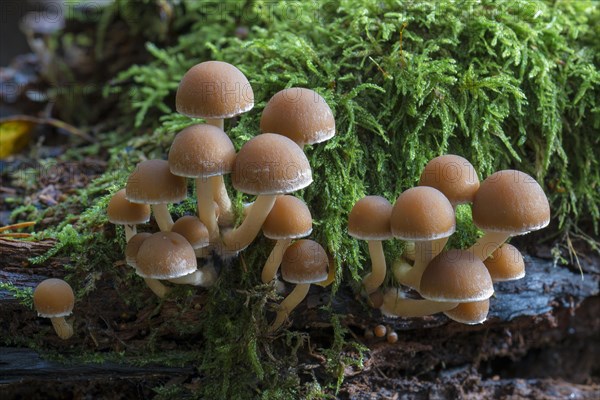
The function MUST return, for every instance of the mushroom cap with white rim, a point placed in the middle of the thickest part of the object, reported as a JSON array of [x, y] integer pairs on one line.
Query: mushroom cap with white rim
[[121, 211], [270, 164], [214, 89], [370, 219], [305, 261], [300, 114], [53, 298], [505, 263], [153, 183], [422, 213], [470, 313], [289, 218], [510, 201], [133, 246], [165, 255], [456, 276], [191, 228], [201, 151], [452, 175]]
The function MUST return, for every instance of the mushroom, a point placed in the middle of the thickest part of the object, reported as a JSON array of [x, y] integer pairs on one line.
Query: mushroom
[[267, 165], [369, 220], [214, 90], [153, 183], [121, 211], [133, 246], [53, 298], [456, 276], [508, 203], [470, 313], [168, 255], [289, 219], [304, 262], [505, 264], [300, 114], [191, 228], [452, 175], [425, 216], [205, 153]]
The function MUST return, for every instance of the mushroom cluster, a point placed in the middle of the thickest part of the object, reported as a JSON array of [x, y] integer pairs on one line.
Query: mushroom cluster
[[271, 166], [454, 281]]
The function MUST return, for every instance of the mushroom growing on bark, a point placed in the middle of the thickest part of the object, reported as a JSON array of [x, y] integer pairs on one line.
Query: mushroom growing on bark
[[267, 165], [121, 211], [505, 264], [289, 219], [425, 216], [508, 203], [304, 262], [369, 220], [153, 183], [54, 299], [204, 153], [300, 114]]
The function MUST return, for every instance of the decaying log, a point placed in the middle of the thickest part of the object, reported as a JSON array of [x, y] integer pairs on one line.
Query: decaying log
[[535, 324]]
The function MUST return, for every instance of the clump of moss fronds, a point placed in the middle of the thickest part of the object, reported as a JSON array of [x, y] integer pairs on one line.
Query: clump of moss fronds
[[503, 83]]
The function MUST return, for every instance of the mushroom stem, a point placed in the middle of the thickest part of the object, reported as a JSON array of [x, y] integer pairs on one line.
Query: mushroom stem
[[130, 231], [157, 287], [272, 264], [204, 277], [240, 237], [289, 303], [425, 251], [206, 208], [163, 217], [218, 122], [489, 242], [409, 251], [373, 280], [396, 305], [222, 199], [63, 329]]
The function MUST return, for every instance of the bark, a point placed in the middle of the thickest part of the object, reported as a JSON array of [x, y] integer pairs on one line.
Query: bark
[[540, 340]]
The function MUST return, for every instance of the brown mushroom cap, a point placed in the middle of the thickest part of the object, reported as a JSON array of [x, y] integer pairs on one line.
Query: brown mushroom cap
[[270, 164], [191, 228], [153, 183], [121, 211], [133, 246], [456, 276], [510, 201], [53, 298], [422, 213], [289, 218], [304, 261], [452, 175], [300, 114], [472, 312], [370, 219], [505, 264], [201, 151], [165, 255], [214, 89]]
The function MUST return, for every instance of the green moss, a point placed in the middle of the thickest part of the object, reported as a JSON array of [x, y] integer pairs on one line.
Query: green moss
[[506, 84]]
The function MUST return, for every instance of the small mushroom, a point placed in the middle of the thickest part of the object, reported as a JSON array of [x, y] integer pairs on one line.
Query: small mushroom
[[505, 264], [369, 220], [300, 114], [191, 228], [267, 165], [153, 183], [289, 219], [508, 203], [470, 313], [204, 153], [121, 211], [304, 262], [133, 246], [54, 299], [424, 215]]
